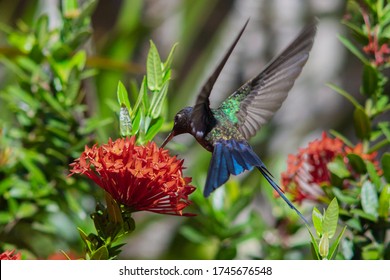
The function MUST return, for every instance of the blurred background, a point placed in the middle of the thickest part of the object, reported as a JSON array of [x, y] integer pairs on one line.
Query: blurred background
[[204, 29]]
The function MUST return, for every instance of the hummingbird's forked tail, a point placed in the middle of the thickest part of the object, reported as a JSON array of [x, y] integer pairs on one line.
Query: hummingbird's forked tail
[[234, 157]]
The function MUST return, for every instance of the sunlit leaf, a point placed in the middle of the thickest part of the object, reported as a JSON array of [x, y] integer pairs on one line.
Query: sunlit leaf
[[330, 218], [317, 220], [153, 68], [123, 97]]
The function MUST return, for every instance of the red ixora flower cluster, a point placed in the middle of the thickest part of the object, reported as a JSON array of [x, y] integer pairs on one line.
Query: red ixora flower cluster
[[307, 170], [10, 255], [143, 178]]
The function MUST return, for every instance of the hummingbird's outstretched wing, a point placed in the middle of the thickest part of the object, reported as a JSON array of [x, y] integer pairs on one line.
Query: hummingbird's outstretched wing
[[202, 118], [254, 103]]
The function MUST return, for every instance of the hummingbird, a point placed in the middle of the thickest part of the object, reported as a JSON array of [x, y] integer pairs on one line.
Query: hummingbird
[[225, 131]]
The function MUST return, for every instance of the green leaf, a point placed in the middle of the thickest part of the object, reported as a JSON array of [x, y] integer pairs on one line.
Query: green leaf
[[335, 244], [357, 163], [385, 161], [342, 137], [372, 251], [330, 219], [384, 202], [362, 124], [70, 8], [349, 199], [193, 235], [369, 198], [168, 62], [338, 168], [137, 122], [123, 97], [142, 92], [354, 223], [384, 126], [158, 102], [348, 96], [42, 30], [153, 69], [364, 215], [353, 49], [314, 244], [100, 254], [371, 169], [317, 221], [154, 129], [370, 80], [26, 209]]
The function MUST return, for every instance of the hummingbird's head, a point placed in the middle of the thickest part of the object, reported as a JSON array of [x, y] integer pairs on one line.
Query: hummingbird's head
[[182, 124]]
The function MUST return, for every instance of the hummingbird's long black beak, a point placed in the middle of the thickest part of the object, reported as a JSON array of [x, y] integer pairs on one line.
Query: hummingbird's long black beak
[[169, 138]]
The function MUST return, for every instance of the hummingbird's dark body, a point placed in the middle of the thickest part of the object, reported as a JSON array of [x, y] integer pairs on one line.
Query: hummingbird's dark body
[[224, 131]]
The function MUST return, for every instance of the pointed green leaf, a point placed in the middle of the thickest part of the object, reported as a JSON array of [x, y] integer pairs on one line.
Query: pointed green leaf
[[385, 161], [330, 219], [369, 198], [384, 202], [342, 137], [364, 215], [314, 244], [362, 124], [353, 49], [317, 221], [348, 96], [168, 62], [142, 92], [123, 97], [153, 69], [137, 122], [335, 244], [370, 80], [158, 102]]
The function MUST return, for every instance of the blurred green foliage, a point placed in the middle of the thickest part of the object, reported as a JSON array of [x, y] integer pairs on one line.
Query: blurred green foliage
[[59, 92]]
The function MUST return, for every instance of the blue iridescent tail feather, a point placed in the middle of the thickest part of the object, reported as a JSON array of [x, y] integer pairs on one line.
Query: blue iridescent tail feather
[[234, 157]]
